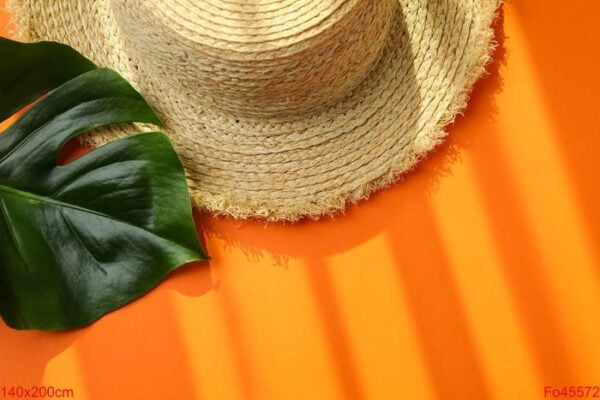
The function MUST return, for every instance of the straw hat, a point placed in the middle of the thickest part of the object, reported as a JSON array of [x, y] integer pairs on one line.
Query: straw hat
[[284, 108]]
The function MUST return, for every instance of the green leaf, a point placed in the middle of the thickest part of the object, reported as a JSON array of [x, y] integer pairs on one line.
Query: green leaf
[[80, 240]]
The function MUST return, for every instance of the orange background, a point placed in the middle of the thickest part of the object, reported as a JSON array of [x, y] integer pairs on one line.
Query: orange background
[[477, 277]]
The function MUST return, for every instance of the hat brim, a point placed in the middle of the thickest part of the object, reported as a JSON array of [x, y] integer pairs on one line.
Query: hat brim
[[310, 164]]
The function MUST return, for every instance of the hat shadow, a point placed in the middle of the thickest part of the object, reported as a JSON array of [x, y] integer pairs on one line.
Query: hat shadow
[[26, 354], [367, 218], [402, 214]]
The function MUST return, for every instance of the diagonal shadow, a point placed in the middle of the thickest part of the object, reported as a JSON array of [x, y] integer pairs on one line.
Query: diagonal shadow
[[433, 299], [139, 353], [238, 342], [517, 251], [521, 263], [305, 239], [336, 336], [567, 67]]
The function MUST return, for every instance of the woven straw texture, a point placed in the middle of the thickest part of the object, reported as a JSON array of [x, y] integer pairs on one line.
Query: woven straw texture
[[283, 108]]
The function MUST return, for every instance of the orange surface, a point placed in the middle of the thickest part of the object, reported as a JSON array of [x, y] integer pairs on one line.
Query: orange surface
[[476, 278]]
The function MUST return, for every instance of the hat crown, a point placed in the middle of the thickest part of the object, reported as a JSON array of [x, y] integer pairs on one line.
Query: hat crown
[[257, 58]]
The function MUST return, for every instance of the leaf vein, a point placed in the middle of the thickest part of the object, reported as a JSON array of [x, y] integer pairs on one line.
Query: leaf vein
[[80, 240], [31, 135], [57, 203], [14, 236], [67, 185]]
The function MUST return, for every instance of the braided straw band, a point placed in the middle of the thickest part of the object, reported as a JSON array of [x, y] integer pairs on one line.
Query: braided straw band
[[284, 108]]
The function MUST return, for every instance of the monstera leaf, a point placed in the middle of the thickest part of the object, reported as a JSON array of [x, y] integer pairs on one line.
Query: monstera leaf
[[82, 239]]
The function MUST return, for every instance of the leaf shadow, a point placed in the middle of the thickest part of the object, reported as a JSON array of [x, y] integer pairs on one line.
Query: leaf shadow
[[25, 354]]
